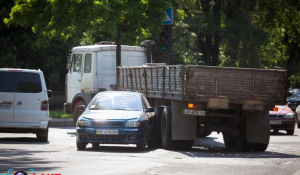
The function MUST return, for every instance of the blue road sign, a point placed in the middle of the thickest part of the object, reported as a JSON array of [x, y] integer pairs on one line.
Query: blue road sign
[[169, 17]]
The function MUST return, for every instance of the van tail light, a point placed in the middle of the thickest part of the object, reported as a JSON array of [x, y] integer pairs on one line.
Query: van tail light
[[44, 105]]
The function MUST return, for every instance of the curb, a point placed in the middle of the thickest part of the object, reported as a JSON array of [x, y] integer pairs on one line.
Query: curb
[[59, 122]]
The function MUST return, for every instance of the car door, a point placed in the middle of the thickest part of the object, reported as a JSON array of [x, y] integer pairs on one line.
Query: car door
[[7, 96], [74, 77], [29, 95]]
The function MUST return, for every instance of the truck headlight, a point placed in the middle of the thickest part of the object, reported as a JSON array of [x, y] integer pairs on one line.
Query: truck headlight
[[290, 115], [84, 123], [132, 124]]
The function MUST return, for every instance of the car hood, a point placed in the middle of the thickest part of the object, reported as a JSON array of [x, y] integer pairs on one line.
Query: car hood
[[282, 110], [112, 114]]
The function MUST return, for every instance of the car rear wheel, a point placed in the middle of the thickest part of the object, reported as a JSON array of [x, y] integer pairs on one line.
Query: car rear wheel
[[290, 132], [42, 135], [81, 145], [298, 122]]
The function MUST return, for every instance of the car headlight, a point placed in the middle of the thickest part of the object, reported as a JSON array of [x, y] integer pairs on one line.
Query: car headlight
[[84, 123], [290, 115], [132, 124]]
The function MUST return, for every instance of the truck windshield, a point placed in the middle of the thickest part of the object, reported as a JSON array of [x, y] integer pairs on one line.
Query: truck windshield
[[116, 102]]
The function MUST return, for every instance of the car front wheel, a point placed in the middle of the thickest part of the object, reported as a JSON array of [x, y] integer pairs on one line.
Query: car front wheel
[[81, 145]]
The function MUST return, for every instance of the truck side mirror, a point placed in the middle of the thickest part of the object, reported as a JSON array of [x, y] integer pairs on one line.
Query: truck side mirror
[[82, 108], [69, 62]]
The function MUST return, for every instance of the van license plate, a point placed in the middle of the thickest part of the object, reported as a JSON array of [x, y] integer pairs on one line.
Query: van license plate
[[107, 131], [193, 112], [275, 122], [4, 106]]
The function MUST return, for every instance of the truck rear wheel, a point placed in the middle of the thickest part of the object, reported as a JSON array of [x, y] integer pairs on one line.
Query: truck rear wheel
[[229, 141], [158, 114], [76, 113], [260, 147], [241, 140], [166, 129]]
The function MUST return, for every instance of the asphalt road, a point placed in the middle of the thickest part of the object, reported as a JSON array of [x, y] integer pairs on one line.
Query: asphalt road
[[208, 156]]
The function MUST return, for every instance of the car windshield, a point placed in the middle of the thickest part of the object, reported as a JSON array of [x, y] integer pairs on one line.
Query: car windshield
[[294, 93], [116, 102]]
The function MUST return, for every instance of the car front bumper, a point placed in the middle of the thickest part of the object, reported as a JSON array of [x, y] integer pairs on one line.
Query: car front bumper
[[125, 136]]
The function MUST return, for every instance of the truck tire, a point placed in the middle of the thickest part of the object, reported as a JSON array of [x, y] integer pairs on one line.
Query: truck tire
[[166, 129], [76, 113], [205, 134], [157, 137], [185, 144], [241, 140], [229, 141], [260, 147]]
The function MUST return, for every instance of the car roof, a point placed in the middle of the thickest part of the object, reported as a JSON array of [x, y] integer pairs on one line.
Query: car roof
[[120, 92]]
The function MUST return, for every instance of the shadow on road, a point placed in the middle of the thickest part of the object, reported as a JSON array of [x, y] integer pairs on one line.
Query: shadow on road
[[21, 140], [210, 148]]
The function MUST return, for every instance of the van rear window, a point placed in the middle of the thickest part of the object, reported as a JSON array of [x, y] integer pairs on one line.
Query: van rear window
[[7, 82], [20, 82]]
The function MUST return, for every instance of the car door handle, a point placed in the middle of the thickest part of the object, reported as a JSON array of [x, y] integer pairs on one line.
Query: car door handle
[[19, 103]]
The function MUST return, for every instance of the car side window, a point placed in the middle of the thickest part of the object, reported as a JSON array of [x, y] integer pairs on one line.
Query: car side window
[[88, 63], [77, 62]]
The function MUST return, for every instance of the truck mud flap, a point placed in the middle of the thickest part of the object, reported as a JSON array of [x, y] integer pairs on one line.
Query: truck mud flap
[[258, 127]]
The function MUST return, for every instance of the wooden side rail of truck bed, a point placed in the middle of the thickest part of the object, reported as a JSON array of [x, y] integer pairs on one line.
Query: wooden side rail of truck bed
[[199, 83]]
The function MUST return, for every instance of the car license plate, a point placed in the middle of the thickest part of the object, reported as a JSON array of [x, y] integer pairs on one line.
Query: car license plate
[[193, 112], [107, 131], [275, 122], [4, 106]]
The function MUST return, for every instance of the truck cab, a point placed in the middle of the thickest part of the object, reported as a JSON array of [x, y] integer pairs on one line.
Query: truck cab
[[92, 69]]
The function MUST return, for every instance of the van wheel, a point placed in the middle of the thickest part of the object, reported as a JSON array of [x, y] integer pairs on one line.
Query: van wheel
[[76, 113], [42, 136], [166, 129]]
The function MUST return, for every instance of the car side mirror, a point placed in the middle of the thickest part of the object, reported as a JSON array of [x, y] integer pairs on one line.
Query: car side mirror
[[82, 108], [150, 109], [50, 94]]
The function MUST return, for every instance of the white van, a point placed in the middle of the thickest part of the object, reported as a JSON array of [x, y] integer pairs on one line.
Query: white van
[[24, 104]]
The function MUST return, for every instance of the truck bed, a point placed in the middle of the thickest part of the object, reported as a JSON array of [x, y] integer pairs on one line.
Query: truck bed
[[199, 83]]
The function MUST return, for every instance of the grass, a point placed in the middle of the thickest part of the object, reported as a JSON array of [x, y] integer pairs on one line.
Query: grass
[[59, 113]]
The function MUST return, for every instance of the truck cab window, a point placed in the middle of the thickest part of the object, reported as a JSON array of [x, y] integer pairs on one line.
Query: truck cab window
[[88, 63], [77, 62]]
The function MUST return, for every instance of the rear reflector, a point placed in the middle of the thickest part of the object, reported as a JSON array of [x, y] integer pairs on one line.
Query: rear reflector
[[44, 105]]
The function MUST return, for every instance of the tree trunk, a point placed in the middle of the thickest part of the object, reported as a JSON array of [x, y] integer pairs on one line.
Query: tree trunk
[[217, 38]]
